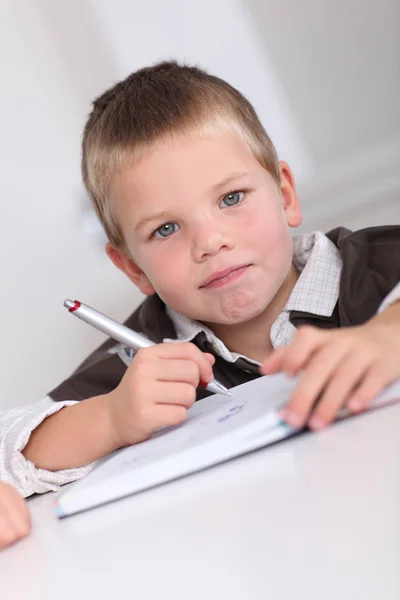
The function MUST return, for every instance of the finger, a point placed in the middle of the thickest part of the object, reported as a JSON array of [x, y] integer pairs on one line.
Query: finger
[[349, 372], [16, 499], [207, 374], [209, 357], [312, 381], [305, 343], [184, 351], [177, 394], [372, 384], [24, 517], [274, 362], [292, 358], [7, 534], [16, 512], [185, 371]]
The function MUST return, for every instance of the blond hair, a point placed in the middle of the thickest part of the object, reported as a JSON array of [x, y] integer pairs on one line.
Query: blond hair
[[147, 107]]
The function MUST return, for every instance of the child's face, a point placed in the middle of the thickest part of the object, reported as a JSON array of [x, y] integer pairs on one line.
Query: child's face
[[206, 227]]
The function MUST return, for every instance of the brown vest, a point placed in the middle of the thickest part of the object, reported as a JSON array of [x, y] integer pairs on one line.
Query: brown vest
[[371, 269]]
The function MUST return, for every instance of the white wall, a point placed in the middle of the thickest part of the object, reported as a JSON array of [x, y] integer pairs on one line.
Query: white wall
[[339, 67], [218, 35], [45, 254], [57, 56]]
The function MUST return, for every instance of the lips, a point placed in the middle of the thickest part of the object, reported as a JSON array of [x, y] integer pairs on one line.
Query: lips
[[220, 277]]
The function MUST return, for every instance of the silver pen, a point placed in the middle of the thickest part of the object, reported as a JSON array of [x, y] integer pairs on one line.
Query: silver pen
[[123, 334]]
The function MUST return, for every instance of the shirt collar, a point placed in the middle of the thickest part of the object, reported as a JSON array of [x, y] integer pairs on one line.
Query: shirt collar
[[319, 263]]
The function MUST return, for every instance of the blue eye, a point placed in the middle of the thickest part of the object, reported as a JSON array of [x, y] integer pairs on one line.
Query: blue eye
[[166, 230], [232, 198]]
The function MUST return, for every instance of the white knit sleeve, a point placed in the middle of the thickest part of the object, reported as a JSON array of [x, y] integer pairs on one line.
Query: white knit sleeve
[[16, 426]]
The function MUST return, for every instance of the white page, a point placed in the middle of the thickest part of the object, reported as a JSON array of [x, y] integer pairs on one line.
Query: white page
[[217, 428], [208, 419]]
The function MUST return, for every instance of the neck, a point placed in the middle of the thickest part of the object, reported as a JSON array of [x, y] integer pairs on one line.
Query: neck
[[252, 337]]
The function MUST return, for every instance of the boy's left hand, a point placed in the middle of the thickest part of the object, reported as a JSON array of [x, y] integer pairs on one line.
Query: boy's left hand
[[15, 522], [341, 368]]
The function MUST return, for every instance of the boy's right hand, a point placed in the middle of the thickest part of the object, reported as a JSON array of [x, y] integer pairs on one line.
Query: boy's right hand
[[157, 390]]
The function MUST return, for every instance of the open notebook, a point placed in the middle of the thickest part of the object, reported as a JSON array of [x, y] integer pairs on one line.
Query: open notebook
[[216, 429]]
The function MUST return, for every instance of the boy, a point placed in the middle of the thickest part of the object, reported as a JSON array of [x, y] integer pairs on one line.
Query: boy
[[197, 210]]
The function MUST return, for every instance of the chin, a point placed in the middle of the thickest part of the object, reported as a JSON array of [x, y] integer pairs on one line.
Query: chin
[[240, 308]]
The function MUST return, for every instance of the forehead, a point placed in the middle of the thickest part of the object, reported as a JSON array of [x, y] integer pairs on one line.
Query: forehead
[[182, 164]]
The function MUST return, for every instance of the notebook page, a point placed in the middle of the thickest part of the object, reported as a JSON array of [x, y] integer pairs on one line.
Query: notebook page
[[249, 412], [217, 428], [251, 408]]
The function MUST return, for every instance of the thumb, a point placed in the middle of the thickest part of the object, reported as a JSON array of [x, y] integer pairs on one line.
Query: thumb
[[210, 358], [207, 375]]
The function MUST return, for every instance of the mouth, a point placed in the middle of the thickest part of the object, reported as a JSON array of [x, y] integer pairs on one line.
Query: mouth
[[221, 278]]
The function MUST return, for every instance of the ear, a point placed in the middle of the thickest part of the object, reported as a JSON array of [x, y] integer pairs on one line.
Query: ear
[[128, 266], [291, 204]]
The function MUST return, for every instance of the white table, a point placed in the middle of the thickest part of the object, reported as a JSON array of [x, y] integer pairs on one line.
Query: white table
[[316, 517]]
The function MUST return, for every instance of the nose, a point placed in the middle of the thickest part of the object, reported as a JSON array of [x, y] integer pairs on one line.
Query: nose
[[209, 239]]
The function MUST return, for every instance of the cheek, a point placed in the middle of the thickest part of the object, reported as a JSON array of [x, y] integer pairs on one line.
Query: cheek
[[157, 265], [268, 233]]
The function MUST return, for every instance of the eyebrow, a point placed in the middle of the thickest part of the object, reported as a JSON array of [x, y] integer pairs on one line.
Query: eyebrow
[[165, 215], [227, 180], [155, 217]]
